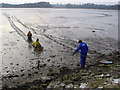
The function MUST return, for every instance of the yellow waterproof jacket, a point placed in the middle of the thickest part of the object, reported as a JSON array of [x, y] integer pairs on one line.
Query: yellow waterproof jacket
[[35, 44]]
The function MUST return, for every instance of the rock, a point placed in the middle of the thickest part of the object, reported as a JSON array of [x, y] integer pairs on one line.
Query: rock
[[100, 87], [50, 86], [116, 81], [69, 86], [76, 86], [56, 86], [83, 85], [46, 79], [107, 75], [62, 85], [58, 65], [100, 76]]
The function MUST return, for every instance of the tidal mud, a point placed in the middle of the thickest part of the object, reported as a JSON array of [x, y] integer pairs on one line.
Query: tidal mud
[[21, 64]]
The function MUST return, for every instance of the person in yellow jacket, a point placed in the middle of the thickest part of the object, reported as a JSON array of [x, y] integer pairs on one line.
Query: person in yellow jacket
[[37, 45]]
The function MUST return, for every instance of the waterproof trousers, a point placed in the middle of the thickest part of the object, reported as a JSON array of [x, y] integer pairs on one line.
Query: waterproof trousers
[[83, 60]]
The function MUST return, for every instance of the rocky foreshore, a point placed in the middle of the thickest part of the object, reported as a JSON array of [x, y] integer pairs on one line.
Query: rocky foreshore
[[96, 75]]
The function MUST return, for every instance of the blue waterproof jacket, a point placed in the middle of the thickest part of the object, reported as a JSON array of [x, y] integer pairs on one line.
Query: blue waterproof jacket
[[83, 47]]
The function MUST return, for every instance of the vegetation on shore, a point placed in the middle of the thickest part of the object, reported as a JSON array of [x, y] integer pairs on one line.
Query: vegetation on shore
[[48, 5]]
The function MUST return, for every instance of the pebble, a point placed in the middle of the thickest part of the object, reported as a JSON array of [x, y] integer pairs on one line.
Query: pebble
[[69, 86], [83, 85], [46, 79], [62, 85]]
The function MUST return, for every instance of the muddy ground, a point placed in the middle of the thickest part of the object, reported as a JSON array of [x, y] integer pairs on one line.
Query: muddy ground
[[25, 68]]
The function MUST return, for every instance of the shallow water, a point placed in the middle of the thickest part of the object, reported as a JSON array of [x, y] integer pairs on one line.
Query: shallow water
[[58, 31]]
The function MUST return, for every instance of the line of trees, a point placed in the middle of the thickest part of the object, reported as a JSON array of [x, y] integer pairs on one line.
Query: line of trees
[[88, 5], [28, 5], [48, 5]]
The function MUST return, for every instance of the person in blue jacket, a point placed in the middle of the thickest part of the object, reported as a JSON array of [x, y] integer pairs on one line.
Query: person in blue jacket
[[84, 49]]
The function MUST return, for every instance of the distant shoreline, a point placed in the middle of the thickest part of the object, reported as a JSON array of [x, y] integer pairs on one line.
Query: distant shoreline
[[63, 6]]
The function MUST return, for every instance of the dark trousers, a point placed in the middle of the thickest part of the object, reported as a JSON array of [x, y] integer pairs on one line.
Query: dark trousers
[[83, 60]]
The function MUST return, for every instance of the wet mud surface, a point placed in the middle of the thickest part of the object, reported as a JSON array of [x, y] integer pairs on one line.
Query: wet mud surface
[[22, 64]]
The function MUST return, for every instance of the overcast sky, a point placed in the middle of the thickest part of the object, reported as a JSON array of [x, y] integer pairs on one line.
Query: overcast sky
[[61, 1]]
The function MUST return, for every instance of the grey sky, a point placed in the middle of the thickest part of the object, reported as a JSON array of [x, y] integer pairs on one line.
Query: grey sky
[[61, 1]]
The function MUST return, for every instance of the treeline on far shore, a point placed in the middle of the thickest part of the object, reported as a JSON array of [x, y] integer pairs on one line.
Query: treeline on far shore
[[48, 5]]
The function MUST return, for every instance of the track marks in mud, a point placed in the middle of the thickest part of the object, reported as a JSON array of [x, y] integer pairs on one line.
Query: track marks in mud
[[68, 43], [20, 32]]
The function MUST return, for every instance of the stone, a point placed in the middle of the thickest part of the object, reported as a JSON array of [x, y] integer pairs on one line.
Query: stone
[[76, 86], [46, 79], [56, 86], [83, 85], [100, 87], [69, 86], [62, 85], [116, 81]]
